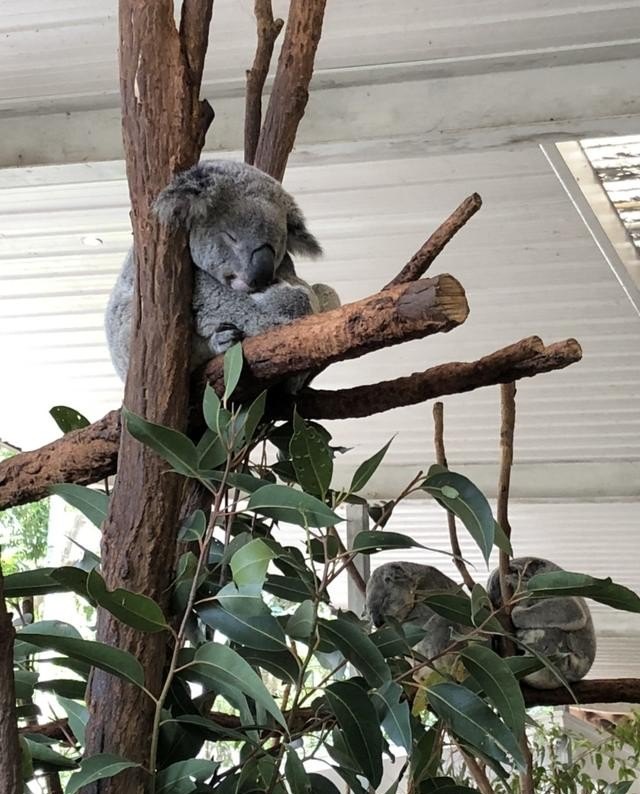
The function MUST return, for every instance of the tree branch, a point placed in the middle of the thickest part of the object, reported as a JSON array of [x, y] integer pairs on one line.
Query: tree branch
[[523, 359], [290, 91], [441, 458], [268, 30], [419, 263], [26, 477]]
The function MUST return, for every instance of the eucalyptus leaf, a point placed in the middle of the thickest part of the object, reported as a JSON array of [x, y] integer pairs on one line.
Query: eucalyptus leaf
[[170, 444], [367, 469], [322, 785], [459, 495], [43, 757], [395, 714], [474, 722], [211, 451], [31, 583], [262, 632], [282, 664], [293, 506], [68, 419], [499, 684], [371, 541], [97, 767], [249, 564], [311, 458], [233, 361], [295, 774], [358, 721], [172, 779], [255, 412], [194, 527], [566, 583], [224, 667], [289, 588], [91, 502], [64, 687], [25, 682], [356, 647], [134, 609], [302, 623], [77, 715]]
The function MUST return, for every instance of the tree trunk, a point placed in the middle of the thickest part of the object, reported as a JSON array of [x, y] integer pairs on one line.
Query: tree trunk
[[164, 125], [10, 758]]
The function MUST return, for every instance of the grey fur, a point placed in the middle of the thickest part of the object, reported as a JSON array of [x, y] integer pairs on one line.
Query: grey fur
[[394, 591], [242, 227], [558, 628]]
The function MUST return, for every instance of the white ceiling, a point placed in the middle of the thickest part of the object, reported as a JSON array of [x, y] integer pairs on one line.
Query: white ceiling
[[411, 111]]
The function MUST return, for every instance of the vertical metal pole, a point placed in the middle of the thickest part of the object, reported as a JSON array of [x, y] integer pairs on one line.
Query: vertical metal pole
[[357, 521]]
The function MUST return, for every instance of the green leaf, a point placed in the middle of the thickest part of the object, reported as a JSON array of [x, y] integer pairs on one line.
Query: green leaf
[[567, 583], [396, 718], [194, 527], [64, 687], [501, 540], [301, 624], [444, 785], [227, 669], [98, 767], [105, 657], [43, 757], [172, 780], [262, 632], [255, 412], [322, 785], [211, 451], [369, 542], [170, 444], [289, 588], [72, 579], [216, 417], [32, 583], [78, 716], [457, 608], [367, 469], [396, 640], [249, 564], [294, 507], [468, 504], [295, 774], [68, 419], [499, 684], [92, 503], [481, 604], [311, 458], [356, 647], [281, 664], [210, 729], [25, 682], [135, 610], [233, 361], [357, 718], [472, 720]]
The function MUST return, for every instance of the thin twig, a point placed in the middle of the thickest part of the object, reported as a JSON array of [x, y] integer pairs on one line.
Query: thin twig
[[420, 262], [477, 772], [507, 425], [268, 30], [441, 459]]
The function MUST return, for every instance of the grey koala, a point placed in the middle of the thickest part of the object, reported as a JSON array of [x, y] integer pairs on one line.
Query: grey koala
[[394, 590], [242, 227], [560, 629]]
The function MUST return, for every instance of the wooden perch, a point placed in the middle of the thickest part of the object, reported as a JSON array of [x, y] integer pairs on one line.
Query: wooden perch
[[268, 30], [419, 263], [523, 359], [290, 91], [90, 454], [408, 311]]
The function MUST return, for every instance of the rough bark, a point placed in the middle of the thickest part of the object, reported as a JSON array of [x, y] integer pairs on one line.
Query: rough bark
[[10, 759], [290, 91], [26, 480], [523, 359], [268, 30], [419, 263], [409, 311], [164, 124]]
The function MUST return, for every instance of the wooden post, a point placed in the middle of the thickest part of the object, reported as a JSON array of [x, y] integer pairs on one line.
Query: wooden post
[[357, 521]]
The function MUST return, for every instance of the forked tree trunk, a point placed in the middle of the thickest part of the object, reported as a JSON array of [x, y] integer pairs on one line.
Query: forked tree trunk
[[164, 124]]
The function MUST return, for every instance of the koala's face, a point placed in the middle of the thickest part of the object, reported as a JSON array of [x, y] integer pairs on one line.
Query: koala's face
[[242, 245], [241, 222], [390, 593]]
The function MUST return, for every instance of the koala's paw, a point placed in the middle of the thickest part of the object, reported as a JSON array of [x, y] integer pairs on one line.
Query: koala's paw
[[225, 336], [282, 299]]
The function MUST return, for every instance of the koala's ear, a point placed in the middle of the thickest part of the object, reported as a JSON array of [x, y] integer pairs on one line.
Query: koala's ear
[[299, 238], [189, 197]]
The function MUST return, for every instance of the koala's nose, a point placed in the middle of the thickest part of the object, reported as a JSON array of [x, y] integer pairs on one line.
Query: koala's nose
[[262, 267], [377, 618]]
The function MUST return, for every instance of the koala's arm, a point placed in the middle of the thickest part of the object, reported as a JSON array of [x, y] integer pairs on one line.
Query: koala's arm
[[569, 614]]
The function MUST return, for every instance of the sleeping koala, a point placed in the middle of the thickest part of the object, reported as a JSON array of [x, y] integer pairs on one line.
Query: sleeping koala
[[394, 590], [242, 227], [560, 628]]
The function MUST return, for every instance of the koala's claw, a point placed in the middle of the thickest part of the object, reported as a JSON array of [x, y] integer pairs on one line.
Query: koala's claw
[[226, 335]]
